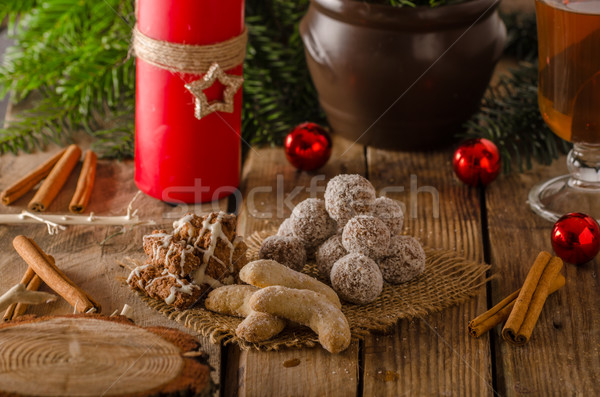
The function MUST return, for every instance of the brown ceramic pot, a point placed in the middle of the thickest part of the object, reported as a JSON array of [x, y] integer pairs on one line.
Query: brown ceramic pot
[[402, 78]]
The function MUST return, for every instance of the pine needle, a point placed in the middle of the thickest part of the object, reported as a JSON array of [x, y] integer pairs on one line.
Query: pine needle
[[510, 117]]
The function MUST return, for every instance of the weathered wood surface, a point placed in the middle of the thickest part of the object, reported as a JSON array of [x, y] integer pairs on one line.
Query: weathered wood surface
[[78, 251], [426, 356], [563, 356], [431, 355]]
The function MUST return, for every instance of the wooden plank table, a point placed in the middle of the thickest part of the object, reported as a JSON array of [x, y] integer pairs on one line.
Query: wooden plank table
[[425, 356], [432, 355]]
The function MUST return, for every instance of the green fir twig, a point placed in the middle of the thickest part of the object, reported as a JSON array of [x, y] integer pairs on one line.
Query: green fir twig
[[75, 55], [278, 90], [510, 117]]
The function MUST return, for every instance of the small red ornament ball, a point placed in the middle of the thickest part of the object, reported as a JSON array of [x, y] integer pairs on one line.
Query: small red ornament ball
[[477, 161], [308, 146], [576, 238]]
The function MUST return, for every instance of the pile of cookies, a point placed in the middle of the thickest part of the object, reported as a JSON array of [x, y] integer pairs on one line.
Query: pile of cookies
[[354, 237], [276, 294], [201, 253]]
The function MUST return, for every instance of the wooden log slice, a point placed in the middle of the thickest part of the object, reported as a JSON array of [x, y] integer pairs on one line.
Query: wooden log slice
[[85, 355]]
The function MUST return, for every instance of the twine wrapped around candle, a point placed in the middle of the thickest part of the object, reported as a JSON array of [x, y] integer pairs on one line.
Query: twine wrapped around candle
[[179, 142], [189, 58]]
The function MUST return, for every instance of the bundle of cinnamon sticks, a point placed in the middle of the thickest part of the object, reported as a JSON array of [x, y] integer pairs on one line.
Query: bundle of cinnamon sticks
[[55, 173], [522, 308], [42, 267]]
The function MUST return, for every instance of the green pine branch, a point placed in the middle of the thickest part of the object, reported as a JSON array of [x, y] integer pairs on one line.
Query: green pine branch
[[510, 117], [278, 90], [75, 55]]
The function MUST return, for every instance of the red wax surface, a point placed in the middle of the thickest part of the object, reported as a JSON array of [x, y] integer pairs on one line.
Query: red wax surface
[[179, 158]]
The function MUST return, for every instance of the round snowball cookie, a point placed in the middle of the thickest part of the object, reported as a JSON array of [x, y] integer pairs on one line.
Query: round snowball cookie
[[289, 251], [356, 279], [311, 223], [285, 229], [348, 195], [390, 212], [367, 235], [328, 253], [406, 260]]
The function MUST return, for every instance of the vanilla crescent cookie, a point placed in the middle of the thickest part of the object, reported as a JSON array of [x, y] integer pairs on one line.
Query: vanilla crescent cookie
[[233, 300], [307, 308], [264, 273], [258, 326]]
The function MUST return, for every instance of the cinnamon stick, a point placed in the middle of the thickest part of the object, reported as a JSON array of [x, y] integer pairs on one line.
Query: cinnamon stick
[[85, 183], [39, 261], [25, 280], [499, 313], [56, 179], [531, 299], [25, 184]]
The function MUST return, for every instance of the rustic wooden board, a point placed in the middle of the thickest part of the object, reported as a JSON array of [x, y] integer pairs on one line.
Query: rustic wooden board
[[432, 355], [563, 355], [77, 250], [99, 355], [317, 373]]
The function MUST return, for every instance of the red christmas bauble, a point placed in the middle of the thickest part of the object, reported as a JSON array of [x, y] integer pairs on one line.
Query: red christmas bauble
[[576, 238], [308, 146], [477, 161]]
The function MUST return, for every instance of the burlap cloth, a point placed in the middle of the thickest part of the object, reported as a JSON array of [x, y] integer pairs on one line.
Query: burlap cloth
[[448, 280]]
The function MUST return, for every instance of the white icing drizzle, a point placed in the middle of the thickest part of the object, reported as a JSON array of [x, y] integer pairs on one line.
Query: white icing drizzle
[[199, 275], [137, 271], [216, 233], [165, 238], [183, 288], [164, 243], [169, 253], [186, 251], [213, 224], [180, 223], [212, 282]]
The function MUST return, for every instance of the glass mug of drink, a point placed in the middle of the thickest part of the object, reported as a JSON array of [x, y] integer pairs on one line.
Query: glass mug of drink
[[569, 101]]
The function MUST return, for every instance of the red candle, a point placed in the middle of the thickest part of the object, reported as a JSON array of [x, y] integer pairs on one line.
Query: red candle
[[179, 158]]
